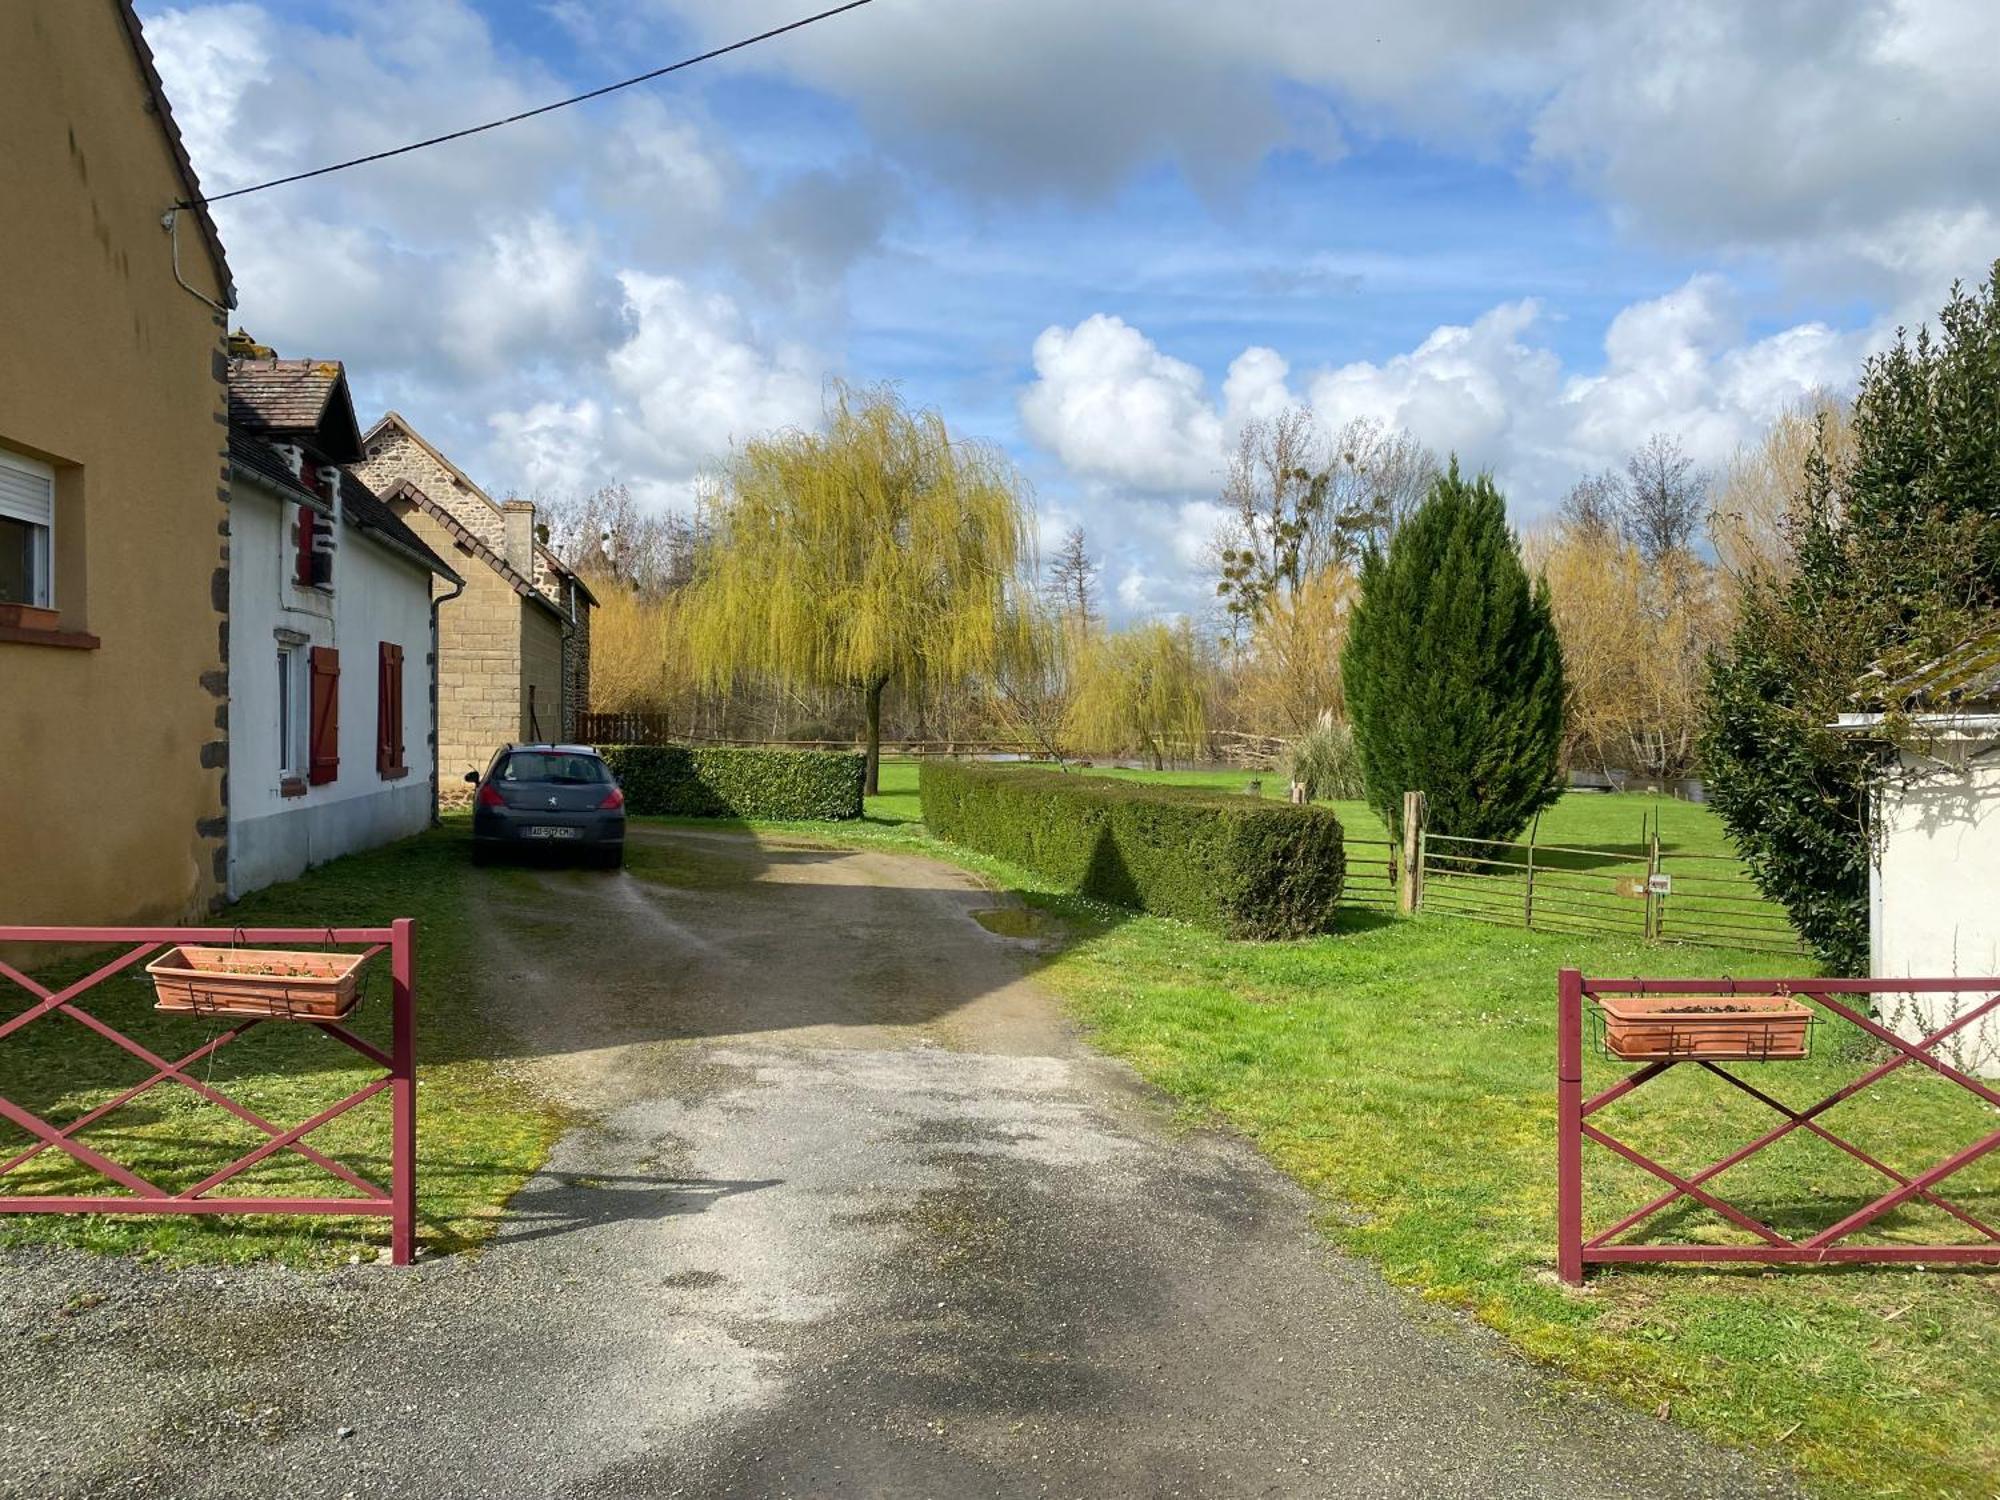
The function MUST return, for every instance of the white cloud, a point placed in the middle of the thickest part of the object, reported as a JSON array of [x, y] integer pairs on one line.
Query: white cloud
[[1111, 405], [1825, 133], [1127, 417], [547, 301], [689, 378], [529, 288], [1463, 389]]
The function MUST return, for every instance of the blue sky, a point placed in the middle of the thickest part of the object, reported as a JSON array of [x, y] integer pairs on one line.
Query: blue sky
[[1102, 236]]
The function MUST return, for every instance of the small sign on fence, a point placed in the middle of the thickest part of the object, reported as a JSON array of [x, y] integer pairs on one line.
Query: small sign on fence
[[1659, 883], [1632, 885]]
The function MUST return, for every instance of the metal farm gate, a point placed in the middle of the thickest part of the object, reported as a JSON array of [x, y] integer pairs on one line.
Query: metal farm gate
[[131, 1192], [1681, 1023], [1641, 891]]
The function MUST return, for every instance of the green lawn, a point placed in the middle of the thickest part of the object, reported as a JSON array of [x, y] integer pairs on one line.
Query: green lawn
[[1404, 1071], [478, 1135]]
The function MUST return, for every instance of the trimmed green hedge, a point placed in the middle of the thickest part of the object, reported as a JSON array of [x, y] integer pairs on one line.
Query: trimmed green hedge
[[683, 781], [1234, 864]]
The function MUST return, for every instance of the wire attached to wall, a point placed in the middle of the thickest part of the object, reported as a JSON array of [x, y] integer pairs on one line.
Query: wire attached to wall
[[529, 114]]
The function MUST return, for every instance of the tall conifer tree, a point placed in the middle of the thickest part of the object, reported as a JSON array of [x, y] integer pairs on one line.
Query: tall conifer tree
[[1453, 673]]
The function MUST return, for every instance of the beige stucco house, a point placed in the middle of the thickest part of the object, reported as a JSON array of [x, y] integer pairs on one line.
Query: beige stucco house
[[114, 553], [514, 650]]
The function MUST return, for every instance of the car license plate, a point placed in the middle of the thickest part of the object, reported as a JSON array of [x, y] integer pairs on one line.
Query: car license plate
[[548, 831]]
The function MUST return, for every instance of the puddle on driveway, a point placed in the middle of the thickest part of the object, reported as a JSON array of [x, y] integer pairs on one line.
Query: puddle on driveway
[[1015, 921]]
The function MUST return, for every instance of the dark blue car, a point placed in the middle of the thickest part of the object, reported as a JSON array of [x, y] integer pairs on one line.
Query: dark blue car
[[549, 797]]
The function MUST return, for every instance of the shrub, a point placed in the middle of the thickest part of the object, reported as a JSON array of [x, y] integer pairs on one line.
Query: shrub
[[1324, 761], [1896, 557], [1453, 673], [688, 782], [1239, 867]]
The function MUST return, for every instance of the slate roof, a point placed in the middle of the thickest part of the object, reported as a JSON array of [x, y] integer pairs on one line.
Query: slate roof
[[297, 398], [1965, 677], [362, 508], [163, 111], [254, 454]]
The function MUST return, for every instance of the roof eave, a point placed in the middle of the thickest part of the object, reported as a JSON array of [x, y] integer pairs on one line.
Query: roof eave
[[194, 202], [296, 494]]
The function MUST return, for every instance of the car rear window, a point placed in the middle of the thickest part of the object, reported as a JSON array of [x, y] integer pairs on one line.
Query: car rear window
[[555, 768]]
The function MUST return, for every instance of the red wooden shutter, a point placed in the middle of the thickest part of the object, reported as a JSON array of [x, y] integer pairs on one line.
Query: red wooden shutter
[[389, 709], [305, 562], [324, 760]]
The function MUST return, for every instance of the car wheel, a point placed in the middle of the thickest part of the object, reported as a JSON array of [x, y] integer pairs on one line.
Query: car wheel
[[481, 855], [612, 858]]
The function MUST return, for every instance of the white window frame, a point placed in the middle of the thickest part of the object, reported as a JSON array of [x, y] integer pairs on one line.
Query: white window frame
[[291, 736], [20, 478]]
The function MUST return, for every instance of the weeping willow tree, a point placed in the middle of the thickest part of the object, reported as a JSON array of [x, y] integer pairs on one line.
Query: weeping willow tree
[[1139, 690], [877, 550]]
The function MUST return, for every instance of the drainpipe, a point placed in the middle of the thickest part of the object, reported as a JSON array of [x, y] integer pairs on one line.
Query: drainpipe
[[436, 747]]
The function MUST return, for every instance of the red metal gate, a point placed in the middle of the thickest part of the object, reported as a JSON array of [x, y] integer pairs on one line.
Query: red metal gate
[[1576, 1248], [397, 1201]]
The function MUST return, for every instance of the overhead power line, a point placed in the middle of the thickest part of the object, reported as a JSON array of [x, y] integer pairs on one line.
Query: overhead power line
[[529, 114]]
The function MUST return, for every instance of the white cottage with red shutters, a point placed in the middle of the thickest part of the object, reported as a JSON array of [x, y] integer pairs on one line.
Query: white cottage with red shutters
[[331, 634]]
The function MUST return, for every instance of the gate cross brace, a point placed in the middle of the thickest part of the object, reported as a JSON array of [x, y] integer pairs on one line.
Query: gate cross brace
[[63, 1137], [1906, 1187]]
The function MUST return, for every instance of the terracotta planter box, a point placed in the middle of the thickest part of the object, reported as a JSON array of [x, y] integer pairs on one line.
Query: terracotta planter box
[[29, 617], [1718, 1028], [273, 982]]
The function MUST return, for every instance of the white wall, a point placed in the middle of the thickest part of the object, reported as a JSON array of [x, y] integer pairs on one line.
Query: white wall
[[377, 596], [1936, 892]]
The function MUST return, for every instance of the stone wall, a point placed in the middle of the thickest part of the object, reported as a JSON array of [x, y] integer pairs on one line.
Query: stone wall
[[576, 663], [395, 455], [479, 663], [541, 680]]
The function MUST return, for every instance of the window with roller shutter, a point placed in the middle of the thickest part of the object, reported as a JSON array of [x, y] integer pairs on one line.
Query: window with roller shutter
[[324, 758], [27, 531]]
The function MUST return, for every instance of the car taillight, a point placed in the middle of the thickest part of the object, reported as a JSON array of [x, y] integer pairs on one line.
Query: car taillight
[[489, 795], [614, 799]]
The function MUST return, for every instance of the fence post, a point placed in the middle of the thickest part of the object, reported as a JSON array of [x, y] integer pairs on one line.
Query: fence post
[[403, 1092], [1528, 892], [1569, 1126], [1411, 897], [1655, 913]]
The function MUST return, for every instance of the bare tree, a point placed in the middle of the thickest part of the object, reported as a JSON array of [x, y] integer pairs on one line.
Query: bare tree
[[1072, 580], [1665, 500], [1301, 503], [1594, 509], [1276, 492], [607, 534], [1377, 479]]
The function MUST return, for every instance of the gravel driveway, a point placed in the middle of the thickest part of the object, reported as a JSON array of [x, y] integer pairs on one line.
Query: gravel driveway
[[854, 1214]]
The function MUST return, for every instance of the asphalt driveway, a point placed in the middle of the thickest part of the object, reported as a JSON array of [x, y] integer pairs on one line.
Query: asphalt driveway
[[851, 1213]]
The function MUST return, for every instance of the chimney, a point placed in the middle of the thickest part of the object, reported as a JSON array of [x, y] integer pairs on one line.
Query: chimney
[[520, 518]]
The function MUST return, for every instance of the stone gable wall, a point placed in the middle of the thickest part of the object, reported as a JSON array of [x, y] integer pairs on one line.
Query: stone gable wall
[[395, 455]]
